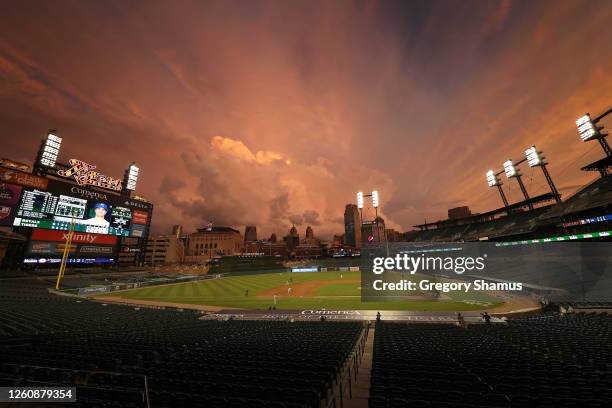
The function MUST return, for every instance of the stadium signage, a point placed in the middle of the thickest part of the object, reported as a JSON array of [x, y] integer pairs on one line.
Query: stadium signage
[[330, 312], [140, 217], [601, 234], [309, 269], [137, 204], [128, 249], [77, 237], [86, 175], [601, 218], [9, 196], [96, 249], [94, 290], [23, 179], [93, 195]]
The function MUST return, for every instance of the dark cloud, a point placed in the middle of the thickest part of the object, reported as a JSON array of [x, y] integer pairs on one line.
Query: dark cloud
[[291, 111], [296, 219], [279, 206], [311, 217], [169, 186]]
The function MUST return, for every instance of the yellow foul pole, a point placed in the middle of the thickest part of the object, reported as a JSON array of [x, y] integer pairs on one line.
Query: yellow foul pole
[[60, 275]]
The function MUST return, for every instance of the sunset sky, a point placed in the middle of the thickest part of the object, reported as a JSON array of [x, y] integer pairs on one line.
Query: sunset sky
[[278, 112]]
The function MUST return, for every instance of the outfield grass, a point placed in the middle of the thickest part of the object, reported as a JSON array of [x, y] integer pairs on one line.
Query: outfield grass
[[231, 292]]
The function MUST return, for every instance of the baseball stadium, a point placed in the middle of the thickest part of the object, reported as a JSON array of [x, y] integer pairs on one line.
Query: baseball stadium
[[454, 265]]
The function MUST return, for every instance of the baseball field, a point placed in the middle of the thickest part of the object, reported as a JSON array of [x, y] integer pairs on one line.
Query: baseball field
[[285, 290]]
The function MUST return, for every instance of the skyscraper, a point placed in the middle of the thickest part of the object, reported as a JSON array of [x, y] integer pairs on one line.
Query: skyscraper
[[352, 226], [250, 233], [293, 238], [309, 233]]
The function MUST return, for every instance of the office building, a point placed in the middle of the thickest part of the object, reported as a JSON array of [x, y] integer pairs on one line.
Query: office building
[[352, 226], [211, 242], [250, 234], [164, 250]]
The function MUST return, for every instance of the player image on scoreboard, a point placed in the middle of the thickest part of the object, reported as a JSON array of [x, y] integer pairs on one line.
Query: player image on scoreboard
[[97, 221]]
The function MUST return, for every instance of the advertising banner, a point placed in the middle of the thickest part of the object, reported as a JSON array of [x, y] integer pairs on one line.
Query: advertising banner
[[76, 250], [57, 260], [9, 197], [138, 230], [93, 291], [62, 236], [130, 241], [23, 179], [96, 249], [140, 217], [45, 248], [42, 248]]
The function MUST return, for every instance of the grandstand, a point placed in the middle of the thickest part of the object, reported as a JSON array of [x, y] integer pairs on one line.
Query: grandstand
[[120, 356], [518, 222]]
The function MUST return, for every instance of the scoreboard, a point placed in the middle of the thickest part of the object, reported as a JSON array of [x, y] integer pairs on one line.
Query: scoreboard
[[89, 211]]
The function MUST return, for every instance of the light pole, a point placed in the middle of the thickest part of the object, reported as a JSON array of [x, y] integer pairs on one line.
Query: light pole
[[512, 172], [494, 181], [535, 159]]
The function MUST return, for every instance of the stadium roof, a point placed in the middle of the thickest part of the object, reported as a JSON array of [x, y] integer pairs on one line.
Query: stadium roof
[[599, 165], [596, 194], [217, 230]]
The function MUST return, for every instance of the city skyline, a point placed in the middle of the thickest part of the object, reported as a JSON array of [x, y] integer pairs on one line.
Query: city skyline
[[281, 118]]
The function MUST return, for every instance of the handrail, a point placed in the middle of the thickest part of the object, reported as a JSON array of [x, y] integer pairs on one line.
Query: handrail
[[353, 360]]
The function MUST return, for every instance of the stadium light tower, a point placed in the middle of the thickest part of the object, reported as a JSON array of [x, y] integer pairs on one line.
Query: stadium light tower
[[494, 181], [512, 172], [360, 200], [48, 152], [375, 199], [535, 159], [375, 203], [588, 130], [130, 178]]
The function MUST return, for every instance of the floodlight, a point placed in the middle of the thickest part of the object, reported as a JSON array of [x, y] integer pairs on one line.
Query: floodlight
[[533, 157], [583, 119], [360, 199], [375, 199], [492, 179], [586, 128], [50, 150], [510, 169], [132, 177]]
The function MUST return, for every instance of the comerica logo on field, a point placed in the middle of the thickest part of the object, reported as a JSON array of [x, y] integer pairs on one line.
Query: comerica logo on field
[[422, 263]]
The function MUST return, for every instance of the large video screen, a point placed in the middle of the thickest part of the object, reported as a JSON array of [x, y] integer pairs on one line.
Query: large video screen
[[89, 211]]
